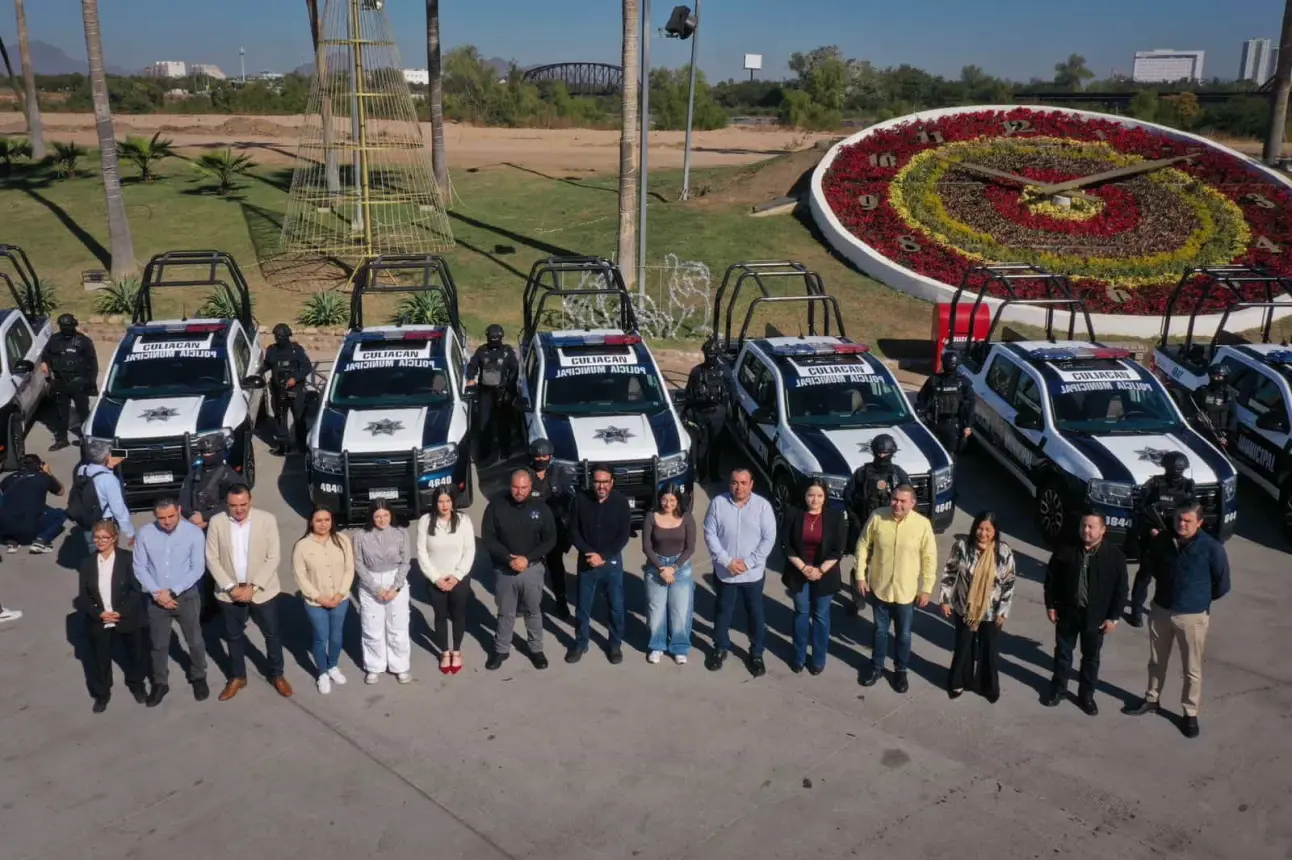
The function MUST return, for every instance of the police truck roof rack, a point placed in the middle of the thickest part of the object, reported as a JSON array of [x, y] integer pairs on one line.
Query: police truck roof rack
[[547, 279], [1205, 285], [430, 274], [979, 280], [761, 272], [28, 299], [221, 272]]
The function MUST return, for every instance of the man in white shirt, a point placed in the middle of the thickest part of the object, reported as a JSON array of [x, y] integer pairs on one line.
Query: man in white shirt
[[242, 554]]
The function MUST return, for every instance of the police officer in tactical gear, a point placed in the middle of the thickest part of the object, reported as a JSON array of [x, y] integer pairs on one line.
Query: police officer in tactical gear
[[70, 358], [870, 488], [706, 408], [494, 370], [290, 367], [1215, 407], [202, 496], [946, 404], [1159, 499], [551, 485]]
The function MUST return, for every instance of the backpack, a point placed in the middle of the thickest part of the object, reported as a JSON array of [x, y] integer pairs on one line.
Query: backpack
[[83, 506]]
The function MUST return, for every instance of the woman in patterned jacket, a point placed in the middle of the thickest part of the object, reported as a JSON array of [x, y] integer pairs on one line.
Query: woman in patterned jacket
[[977, 588]]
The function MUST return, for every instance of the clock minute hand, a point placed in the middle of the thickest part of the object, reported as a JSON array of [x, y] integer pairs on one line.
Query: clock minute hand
[[1000, 174], [1115, 173]]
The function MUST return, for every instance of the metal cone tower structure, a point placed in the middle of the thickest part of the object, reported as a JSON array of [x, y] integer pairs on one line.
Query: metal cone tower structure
[[363, 183]]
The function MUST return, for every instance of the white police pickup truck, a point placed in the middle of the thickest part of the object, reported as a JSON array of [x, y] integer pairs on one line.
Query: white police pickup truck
[[1081, 426], [808, 407], [24, 332]]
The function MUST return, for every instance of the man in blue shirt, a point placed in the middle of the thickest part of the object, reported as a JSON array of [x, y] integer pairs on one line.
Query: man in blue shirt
[[1190, 570], [170, 560], [740, 531], [98, 466]]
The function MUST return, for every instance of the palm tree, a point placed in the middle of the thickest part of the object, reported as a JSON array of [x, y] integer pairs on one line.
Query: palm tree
[[34, 132], [225, 168], [434, 68], [123, 246], [145, 153], [1281, 93], [629, 156]]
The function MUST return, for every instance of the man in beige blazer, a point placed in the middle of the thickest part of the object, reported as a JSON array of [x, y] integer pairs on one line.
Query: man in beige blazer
[[242, 553]]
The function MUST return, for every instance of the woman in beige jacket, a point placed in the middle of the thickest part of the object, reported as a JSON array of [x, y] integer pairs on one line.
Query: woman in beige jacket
[[323, 562]]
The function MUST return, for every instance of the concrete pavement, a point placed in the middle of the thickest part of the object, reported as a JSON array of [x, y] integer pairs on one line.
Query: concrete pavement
[[601, 761]]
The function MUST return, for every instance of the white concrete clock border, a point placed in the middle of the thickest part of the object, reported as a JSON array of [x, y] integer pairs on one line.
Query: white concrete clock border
[[879, 267]]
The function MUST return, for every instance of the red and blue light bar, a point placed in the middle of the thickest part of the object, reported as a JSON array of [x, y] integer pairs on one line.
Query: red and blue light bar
[[843, 347], [596, 339], [178, 328], [1080, 353], [1279, 356]]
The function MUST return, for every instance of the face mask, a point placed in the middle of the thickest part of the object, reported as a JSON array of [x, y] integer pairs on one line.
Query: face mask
[[540, 464]]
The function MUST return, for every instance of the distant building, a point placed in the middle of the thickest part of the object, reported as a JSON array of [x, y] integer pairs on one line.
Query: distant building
[[1164, 66], [167, 69], [1257, 63], [268, 76], [421, 77], [207, 70]]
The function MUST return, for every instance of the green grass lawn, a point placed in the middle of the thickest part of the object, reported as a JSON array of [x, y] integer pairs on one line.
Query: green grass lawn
[[503, 220]]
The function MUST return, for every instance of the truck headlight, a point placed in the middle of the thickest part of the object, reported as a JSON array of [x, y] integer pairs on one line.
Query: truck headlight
[[438, 457], [672, 465], [326, 461], [942, 480], [1113, 493], [834, 484], [1229, 488]]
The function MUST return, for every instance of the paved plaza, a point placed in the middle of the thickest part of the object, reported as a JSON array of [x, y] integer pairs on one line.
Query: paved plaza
[[638, 761]]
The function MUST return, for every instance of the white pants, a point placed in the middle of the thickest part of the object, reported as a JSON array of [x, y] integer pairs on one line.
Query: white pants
[[386, 640]]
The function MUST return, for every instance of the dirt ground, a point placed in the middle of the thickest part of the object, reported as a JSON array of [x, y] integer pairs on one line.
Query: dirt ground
[[563, 150]]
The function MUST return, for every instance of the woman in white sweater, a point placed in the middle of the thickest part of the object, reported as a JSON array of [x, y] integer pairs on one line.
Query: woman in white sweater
[[446, 549]]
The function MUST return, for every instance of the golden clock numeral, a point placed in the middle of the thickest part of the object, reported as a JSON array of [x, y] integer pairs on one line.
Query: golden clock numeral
[[908, 244], [1266, 245], [1017, 126], [1118, 295], [934, 136], [883, 159], [868, 201], [1261, 201]]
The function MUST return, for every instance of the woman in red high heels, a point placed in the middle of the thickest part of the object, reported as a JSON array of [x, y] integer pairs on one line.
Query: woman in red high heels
[[446, 549]]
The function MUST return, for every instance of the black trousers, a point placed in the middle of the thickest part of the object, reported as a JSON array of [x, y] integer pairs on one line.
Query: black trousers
[[495, 420], [1071, 628], [235, 626], [290, 402], [709, 423], [450, 606], [975, 662], [1139, 591], [102, 641], [67, 394]]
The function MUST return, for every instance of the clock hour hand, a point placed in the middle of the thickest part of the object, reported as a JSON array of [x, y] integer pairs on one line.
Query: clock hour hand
[[1115, 173], [992, 172]]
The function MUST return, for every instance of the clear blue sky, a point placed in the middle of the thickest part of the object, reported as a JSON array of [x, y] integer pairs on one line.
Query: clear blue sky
[[1012, 38]]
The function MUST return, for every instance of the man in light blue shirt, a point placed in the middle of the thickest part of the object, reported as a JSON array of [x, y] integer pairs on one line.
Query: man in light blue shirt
[[169, 562], [98, 465], [740, 531]]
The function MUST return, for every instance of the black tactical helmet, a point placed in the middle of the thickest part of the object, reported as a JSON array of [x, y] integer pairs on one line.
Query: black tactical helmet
[[67, 324], [1175, 464], [950, 361], [282, 332], [540, 448], [883, 445], [1218, 373], [208, 445], [494, 334], [711, 350]]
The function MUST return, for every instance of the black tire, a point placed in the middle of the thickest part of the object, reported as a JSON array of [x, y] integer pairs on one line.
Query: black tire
[[249, 461], [1051, 511], [782, 493], [1285, 509], [468, 495], [15, 440]]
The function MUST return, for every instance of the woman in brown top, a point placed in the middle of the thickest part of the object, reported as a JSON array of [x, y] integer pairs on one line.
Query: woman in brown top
[[668, 539], [323, 562], [814, 544]]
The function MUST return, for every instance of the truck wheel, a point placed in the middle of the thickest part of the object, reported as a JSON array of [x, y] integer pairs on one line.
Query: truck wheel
[[249, 462], [1051, 512], [782, 493], [467, 496], [1285, 508], [15, 441]]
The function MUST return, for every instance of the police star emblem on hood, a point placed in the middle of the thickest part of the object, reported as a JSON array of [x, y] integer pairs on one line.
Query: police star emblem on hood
[[1152, 455], [159, 413], [384, 427], [614, 434]]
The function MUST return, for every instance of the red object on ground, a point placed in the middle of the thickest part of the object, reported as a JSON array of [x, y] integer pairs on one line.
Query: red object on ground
[[942, 326]]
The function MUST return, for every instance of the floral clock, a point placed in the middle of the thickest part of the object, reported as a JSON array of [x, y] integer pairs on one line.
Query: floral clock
[[1121, 208]]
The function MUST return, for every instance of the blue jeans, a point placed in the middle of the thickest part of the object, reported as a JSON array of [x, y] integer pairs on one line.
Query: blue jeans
[[902, 614], [327, 624], [670, 608], [591, 579], [51, 525], [811, 619], [752, 595]]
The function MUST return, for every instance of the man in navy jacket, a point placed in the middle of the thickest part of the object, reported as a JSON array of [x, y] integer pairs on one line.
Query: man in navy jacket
[[1190, 570], [600, 528]]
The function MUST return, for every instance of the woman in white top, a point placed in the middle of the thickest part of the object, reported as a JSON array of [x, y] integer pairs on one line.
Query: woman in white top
[[115, 609], [446, 549]]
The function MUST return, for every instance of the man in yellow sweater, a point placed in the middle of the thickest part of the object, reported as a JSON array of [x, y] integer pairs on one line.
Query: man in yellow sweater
[[898, 545]]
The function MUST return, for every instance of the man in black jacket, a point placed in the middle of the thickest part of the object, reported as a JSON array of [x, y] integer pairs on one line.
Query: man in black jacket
[[290, 368], [71, 359], [518, 532], [202, 496], [1085, 590], [494, 370], [600, 527], [551, 488]]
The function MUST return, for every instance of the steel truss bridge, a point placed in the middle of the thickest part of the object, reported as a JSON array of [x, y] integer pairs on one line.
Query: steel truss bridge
[[581, 79]]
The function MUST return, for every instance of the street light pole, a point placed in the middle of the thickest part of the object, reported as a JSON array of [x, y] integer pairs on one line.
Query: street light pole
[[645, 147], [690, 109]]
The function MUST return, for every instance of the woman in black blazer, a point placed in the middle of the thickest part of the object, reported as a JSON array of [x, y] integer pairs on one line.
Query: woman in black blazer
[[118, 614], [814, 542]]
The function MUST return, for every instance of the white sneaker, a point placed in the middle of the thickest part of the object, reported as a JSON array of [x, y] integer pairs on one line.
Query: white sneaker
[[404, 678], [679, 659], [653, 657], [371, 678], [324, 684], [9, 615], [335, 674]]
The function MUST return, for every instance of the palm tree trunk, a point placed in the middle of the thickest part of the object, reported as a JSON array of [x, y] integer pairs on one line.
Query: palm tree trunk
[[435, 94], [332, 164], [629, 154], [123, 247], [34, 131], [1282, 92]]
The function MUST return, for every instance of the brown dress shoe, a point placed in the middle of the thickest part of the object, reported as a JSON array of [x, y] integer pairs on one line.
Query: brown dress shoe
[[284, 689], [231, 689]]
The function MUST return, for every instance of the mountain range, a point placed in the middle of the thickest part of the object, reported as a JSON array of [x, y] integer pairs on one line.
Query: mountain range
[[52, 60]]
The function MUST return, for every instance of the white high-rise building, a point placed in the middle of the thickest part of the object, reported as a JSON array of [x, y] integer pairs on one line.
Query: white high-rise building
[[1164, 66], [422, 77], [168, 69], [207, 70], [1257, 64]]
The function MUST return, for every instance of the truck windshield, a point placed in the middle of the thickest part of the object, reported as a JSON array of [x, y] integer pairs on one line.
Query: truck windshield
[[618, 391], [386, 374], [169, 367], [1113, 407], [851, 401]]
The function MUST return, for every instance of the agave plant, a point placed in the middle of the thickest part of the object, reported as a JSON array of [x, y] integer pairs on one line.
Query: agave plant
[[12, 149], [67, 158], [220, 304], [146, 153], [118, 298], [225, 168], [45, 298], [324, 308], [421, 309]]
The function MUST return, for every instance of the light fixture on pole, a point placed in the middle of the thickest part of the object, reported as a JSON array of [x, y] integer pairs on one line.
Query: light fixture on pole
[[242, 58], [645, 148], [685, 24]]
